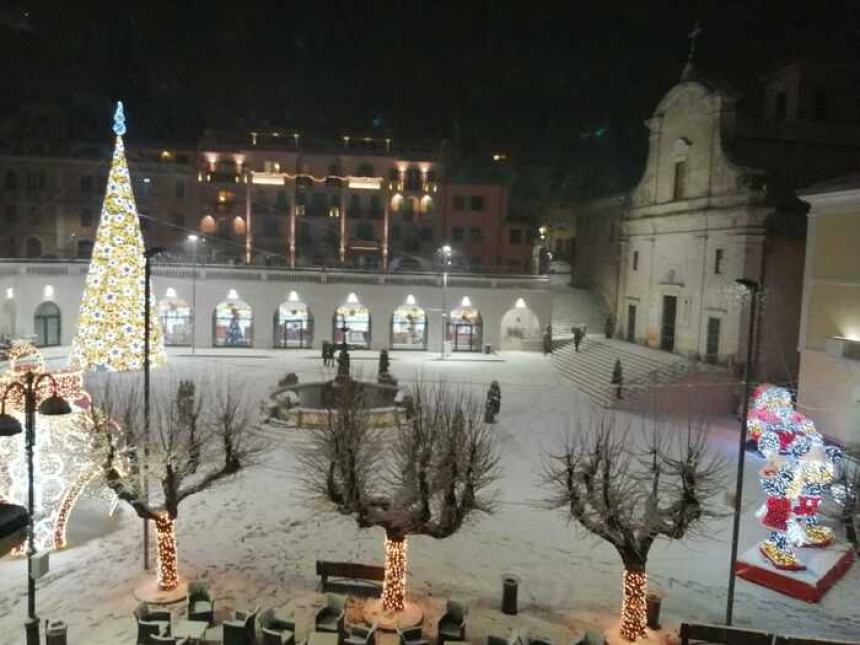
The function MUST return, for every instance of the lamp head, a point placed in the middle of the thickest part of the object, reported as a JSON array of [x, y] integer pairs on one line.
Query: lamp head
[[54, 406], [9, 425]]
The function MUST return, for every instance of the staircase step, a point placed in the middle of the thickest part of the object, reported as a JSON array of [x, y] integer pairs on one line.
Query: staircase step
[[590, 370]]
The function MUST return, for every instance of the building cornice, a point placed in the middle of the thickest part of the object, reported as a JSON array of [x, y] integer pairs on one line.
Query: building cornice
[[835, 200]]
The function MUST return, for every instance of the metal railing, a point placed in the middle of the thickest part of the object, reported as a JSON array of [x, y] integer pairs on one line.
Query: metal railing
[[253, 273]]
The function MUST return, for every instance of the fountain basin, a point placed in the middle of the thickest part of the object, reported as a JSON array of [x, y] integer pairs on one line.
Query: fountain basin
[[309, 405]]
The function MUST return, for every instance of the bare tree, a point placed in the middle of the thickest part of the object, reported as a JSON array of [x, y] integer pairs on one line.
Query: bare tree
[[195, 441], [631, 487], [846, 492], [424, 477]]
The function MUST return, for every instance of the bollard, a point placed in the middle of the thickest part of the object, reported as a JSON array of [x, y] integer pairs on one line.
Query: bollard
[[55, 633], [652, 609], [510, 585]]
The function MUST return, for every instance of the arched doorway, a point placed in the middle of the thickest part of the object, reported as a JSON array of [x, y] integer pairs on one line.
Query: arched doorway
[[294, 326], [46, 323], [233, 324], [520, 328], [177, 321], [409, 327], [353, 319], [465, 329]]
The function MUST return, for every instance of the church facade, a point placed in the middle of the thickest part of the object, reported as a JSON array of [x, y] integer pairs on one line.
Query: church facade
[[715, 204]]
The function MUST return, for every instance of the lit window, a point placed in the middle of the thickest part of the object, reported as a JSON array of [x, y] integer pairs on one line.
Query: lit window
[[207, 224]]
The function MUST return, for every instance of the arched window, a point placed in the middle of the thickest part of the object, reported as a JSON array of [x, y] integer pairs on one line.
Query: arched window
[[352, 319], [465, 329], [294, 326], [409, 328], [46, 322], [177, 321], [233, 324], [33, 248], [207, 224], [397, 202]]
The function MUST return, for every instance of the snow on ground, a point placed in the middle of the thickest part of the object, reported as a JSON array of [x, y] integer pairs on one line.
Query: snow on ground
[[255, 538]]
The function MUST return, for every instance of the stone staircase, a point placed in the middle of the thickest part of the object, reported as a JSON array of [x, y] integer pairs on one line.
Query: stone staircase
[[573, 307], [590, 369]]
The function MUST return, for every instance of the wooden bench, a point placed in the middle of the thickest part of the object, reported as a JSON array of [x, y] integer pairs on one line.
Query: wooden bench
[[722, 634], [352, 576], [797, 640]]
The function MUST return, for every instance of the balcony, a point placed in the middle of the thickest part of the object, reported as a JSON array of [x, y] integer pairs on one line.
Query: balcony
[[222, 178]]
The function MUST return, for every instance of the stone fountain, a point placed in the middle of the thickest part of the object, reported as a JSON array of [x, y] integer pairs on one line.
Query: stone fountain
[[308, 405]]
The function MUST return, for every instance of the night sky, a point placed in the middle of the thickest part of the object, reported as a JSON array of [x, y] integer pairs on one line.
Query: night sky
[[537, 78]]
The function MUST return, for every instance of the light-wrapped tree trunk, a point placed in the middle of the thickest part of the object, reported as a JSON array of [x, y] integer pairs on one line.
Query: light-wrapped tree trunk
[[633, 613], [168, 566], [394, 583]]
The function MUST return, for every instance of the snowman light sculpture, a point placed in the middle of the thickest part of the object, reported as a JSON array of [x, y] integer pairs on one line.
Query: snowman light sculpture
[[799, 470]]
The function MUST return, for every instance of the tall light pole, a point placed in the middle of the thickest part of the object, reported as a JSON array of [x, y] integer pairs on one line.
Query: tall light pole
[[148, 254], [9, 426], [751, 289], [445, 255], [193, 240]]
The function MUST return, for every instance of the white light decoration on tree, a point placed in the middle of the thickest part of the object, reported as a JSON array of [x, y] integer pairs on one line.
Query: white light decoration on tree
[[111, 323], [798, 472]]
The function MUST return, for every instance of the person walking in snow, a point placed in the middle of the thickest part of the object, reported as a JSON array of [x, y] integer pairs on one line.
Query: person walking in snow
[[547, 340], [577, 338]]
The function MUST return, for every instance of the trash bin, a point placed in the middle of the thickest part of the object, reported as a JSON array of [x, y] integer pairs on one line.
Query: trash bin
[[653, 601], [510, 585], [55, 633], [488, 349]]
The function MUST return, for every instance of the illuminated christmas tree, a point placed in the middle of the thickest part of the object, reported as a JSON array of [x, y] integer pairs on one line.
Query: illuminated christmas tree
[[111, 324]]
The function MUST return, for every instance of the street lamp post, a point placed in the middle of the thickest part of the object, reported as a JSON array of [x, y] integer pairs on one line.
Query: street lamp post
[[148, 254], [751, 289], [194, 239], [9, 426], [445, 253]]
